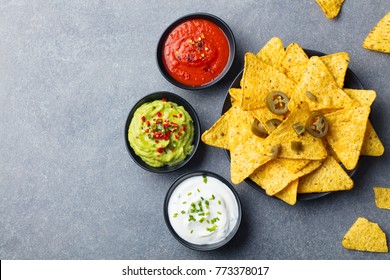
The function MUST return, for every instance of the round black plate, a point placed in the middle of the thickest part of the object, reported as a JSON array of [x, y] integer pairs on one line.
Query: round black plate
[[351, 81]]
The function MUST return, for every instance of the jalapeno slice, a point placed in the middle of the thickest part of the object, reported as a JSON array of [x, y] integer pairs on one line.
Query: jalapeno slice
[[277, 102], [275, 151], [296, 146], [258, 129], [298, 128], [317, 125], [272, 124]]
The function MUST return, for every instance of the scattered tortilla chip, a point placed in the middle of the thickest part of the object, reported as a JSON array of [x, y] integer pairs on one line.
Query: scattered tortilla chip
[[259, 79], [365, 236], [379, 37], [289, 193], [274, 176], [329, 177], [382, 197], [331, 8], [272, 53], [294, 62], [217, 135], [372, 145], [312, 148], [346, 132], [317, 80], [337, 64]]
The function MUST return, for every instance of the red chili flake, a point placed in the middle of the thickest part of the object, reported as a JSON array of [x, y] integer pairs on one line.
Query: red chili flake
[[159, 114], [143, 118], [175, 116], [164, 99], [181, 115], [160, 150]]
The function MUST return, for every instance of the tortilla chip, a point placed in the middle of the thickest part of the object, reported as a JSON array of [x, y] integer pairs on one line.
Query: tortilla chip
[[295, 165], [365, 236], [260, 79], [217, 135], [363, 96], [235, 96], [240, 124], [331, 8], [272, 53], [274, 176], [289, 193], [379, 37], [372, 145], [283, 135], [337, 64], [346, 133], [382, 197], [294, 62], [317, 80], [327, 178], [245, 160]]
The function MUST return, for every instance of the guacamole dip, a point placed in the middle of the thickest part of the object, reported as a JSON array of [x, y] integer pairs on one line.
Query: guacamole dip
[[161, 133]]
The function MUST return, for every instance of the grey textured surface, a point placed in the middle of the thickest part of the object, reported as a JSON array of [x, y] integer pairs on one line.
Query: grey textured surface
[[70, 72]]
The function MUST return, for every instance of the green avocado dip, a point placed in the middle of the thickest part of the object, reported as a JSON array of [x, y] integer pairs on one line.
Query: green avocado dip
[[161, 133]]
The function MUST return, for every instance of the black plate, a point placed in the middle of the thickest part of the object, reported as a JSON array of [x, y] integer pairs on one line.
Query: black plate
[[351, 81], [181, 102]]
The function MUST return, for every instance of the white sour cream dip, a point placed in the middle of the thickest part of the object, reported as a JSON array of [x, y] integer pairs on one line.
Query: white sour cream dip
[[203, 210]]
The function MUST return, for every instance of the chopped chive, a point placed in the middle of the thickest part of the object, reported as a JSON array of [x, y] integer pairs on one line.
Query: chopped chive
[[212, 228], [198, 190], [191, 231], [201, 220], [219, 213], [183, 212], [201, 198], [208, 221], [212, 197], [207, 204], [191, 218], [207, 213], [219, 202], [189, 193], [184, 202], [201, 214], [175, 215], [205, 179]]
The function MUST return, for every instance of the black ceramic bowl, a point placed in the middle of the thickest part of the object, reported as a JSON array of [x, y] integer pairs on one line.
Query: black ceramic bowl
[[179, 101], [205, 247], [221, 24]]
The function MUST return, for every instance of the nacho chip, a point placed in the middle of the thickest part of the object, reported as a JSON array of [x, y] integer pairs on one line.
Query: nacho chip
[[346, 132], [365, 236], [235, 96], [272, 53], [240, 124], [259, 79], [245, 160], [337, 64], [294, 62], [295, 165], [217, 135], [284, 134], [363, 96], [379, 37], [319, 82], [274, 176], [327, 178], [331, 8], [289, 193], [372, 145], [382, 197]]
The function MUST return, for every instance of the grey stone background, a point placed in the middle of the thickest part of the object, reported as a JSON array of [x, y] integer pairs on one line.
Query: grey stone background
[[70, 71]]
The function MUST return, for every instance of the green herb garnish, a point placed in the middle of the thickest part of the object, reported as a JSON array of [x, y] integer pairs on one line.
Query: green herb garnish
[[205, 179], [175, 215], [183, 212], [191, 218], [212, 228]]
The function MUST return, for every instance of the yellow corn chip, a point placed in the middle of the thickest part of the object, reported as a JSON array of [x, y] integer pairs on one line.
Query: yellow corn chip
[[294, 62], [331, 8], [372, 145], [274, 176], [346, 133], [295, 165], [382, 197], [330, 176], [284, 134], [319, 82], [379, 37], [365, 236], [244, 161], [240, 124], [272, 53], [235, 96], [260, 79], [289, 193], [363, 96], [217, 135], [337, 65]]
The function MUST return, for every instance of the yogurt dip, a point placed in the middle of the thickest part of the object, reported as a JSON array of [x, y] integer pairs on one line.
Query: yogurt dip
[[203, 210]]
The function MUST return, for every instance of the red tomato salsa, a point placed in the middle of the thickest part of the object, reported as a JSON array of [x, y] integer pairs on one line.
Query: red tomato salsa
[[196, 52]]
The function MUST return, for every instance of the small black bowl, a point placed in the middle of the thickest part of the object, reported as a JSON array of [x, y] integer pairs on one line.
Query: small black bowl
[[221, 24], [179, 101], [205, 247]]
